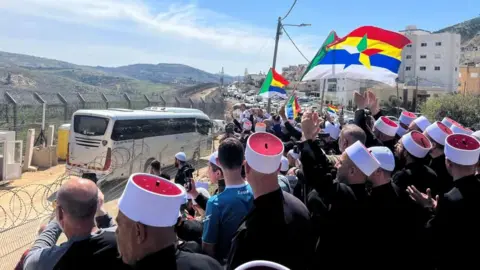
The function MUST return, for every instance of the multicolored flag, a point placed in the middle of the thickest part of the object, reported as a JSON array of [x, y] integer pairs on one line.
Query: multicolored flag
[[367, 52], [274, 85], [332, 109], [332, 37], [293, 107]]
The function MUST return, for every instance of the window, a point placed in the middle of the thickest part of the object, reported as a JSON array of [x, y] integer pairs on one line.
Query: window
[[90, 125], [424, 44], [423, 57], [455, 68], [203, 126], [423, 68], [409, 45], [408, 57], [438, 56], [408, 68], [438, 43], [474, 75], [144, 128], [437, 68]]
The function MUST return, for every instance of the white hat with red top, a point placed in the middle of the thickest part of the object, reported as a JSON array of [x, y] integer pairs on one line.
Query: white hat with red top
[[260, 127], [459, 129], [416, 144], [151, 200], [247, 125], [386, 126], [407, 117], [449, 122], [362, 158], [462, 149], [438, 132], [264, 152], [264, 265], [422, 122]]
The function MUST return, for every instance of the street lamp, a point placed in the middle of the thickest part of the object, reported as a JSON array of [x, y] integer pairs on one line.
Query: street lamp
[[277, 38]]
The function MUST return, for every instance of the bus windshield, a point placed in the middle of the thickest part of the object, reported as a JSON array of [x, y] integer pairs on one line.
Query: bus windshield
[[90, 125]]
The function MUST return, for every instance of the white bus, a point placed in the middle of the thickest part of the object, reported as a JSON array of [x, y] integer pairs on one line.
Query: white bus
[[114, 143]]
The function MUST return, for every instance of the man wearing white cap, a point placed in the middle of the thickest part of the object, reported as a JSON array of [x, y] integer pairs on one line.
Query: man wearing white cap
[[419, 124], [147, 212], [411, 151], [449, 122], [406, 118], [278, 227], [390, 214], [334, 206], [184, 169], [385, 130], [454, 227], [282, 176], [215, 175], [437, 133]]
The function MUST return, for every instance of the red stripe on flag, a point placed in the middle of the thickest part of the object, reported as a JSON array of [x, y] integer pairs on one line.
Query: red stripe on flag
[[279, 78], [375, 33]]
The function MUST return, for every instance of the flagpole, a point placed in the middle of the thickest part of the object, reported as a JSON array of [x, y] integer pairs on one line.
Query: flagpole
[[277, 38], [323, 95]]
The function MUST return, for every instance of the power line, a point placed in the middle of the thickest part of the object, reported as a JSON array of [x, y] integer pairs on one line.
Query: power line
[[290, 10], [295, 45]]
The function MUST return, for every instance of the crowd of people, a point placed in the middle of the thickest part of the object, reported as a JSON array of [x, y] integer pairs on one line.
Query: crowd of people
[[306, 193]]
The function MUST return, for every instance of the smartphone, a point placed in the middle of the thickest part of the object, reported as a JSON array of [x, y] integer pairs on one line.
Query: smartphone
[[188, 184]]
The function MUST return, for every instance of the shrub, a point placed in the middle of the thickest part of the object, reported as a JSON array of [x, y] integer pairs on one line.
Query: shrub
[[464, 109]]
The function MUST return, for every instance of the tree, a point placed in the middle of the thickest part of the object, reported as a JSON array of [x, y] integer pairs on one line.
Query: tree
[[461, 108]]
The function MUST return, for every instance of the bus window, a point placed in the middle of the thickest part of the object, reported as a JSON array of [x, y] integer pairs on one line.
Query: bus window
[[203, 126], [144, 128], [90, 125]]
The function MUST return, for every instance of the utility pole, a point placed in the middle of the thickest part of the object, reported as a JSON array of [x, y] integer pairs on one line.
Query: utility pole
[[277, 38], [396, 80]]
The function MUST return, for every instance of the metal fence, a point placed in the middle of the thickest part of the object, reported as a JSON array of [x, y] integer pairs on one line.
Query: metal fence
[[22, 110], [23, 209]]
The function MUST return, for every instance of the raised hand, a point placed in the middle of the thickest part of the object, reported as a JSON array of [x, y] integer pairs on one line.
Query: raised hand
[[422, 199]]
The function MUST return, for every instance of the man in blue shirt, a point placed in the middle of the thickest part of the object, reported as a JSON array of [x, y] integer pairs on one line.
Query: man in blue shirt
[[226, 210]]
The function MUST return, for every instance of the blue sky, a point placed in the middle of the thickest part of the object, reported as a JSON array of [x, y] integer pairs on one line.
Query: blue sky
[[205, 34]]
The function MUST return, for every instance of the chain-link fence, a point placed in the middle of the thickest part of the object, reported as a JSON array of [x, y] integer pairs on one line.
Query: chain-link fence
[[23, 209]]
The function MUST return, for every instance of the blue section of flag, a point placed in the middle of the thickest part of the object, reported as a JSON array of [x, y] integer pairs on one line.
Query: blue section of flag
[[339, 57]]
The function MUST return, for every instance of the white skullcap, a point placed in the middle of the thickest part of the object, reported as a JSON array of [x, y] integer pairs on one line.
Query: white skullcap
[[151, 200], [261, 265], [422, 122], [449, 122], [401, 131], [407, 117], [264, 152], [247, 125], [293, 154], [438, 132], [332, 130], [476, 134], [386, 126], [260, 127], [462, 149], [213, 158], [202, 191], [284, 164], [384, 156], [416, 144], [181, 156], [362, 158], [458, 129]]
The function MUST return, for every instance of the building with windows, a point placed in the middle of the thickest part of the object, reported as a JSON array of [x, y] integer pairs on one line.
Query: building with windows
[[432, 58]]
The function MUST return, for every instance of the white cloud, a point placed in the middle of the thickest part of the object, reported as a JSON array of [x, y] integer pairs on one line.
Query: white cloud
[[213, 33]]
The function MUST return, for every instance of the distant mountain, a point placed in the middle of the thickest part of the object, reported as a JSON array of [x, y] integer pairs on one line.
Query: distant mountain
[[469, 31], [25, 72], [165, 73]]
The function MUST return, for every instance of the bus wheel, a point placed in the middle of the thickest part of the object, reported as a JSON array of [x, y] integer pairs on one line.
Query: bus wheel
[[146, 168]]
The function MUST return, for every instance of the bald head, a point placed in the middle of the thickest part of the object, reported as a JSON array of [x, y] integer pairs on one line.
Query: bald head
[[349, 135], [78, 198]]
